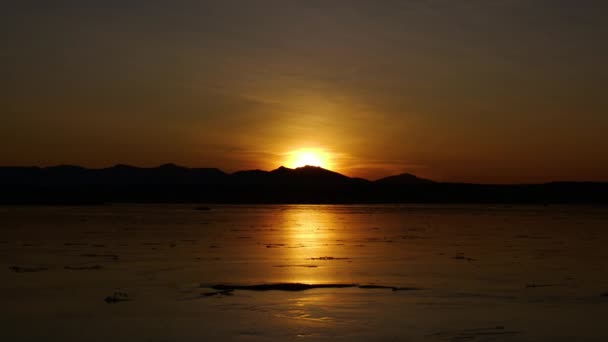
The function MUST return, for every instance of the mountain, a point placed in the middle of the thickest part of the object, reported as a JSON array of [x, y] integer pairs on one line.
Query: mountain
[[169, 183], [403, 179], [302, 176], [68, 175]]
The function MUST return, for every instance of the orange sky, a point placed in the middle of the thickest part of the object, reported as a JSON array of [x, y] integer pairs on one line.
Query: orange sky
[[492, 92]]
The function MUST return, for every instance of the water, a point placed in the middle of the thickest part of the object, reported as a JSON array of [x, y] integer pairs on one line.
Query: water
[[484, 273]]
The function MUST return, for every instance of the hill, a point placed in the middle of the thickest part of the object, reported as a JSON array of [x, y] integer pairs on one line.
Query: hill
[[169, 183]]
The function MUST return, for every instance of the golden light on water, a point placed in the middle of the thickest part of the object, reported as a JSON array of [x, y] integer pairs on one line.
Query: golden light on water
[[309, 156], [310, 234]]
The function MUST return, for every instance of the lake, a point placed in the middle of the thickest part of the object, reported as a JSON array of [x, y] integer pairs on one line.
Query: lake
[[382, 273]]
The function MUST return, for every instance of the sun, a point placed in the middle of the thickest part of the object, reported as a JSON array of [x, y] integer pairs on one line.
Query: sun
[[310, 157], [307, 158]]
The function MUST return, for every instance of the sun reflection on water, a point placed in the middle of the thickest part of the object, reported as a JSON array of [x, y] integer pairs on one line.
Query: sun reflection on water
[[312, 236]]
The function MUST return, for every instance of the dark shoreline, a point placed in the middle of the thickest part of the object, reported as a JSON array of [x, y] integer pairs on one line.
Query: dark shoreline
[[549, 194]]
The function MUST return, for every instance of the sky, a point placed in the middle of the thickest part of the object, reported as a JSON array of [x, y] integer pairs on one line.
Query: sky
[[504, 91]]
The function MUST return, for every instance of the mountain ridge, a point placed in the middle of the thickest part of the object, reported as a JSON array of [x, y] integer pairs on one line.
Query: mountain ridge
[[403, 178], [170, 183], [96, 175]]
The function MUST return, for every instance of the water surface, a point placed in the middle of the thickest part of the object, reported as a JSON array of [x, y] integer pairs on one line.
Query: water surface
[[485, 273]]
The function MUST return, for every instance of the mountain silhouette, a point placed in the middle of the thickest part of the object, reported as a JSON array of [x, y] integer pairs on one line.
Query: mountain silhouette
[[403, 179], [306, 175], [70, 175], [170, 183]]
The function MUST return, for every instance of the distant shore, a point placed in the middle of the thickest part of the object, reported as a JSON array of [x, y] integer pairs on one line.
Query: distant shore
[[73, 185]]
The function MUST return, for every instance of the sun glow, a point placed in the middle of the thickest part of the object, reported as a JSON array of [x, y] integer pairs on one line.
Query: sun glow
[[312, 157]]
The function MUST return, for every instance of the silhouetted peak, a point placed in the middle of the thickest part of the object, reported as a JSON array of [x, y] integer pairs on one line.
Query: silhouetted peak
[[404, 178], [169, 166], [123, 167], [310, 167], [281, 170]]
